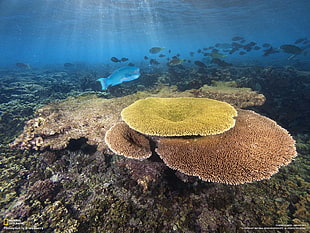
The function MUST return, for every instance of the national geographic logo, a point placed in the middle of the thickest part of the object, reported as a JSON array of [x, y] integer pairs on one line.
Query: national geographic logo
[[17, 224]]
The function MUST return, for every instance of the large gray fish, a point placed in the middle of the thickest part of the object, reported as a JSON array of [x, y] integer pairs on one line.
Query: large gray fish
[[292, 49], [123, 74]]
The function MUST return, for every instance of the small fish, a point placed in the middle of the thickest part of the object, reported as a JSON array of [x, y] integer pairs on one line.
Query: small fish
[[154, 62], [23, 65], [68, 64], [154, 50], [146, 57], [269, 51], [175, 62], [161, 55], [242, 53], [223, 46], [300, 40], [266, 45], [114, 59], [236, 45], [217, 55], [191, 54], [123, 74], [236, 38], [200, 64], [124, 59], [199, 51], [130, 64], [220, 62], [233, 50], [257, 48]]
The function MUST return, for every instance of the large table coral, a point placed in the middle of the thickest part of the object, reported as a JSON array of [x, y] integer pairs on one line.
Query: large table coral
[[179, 116], [90, 116]]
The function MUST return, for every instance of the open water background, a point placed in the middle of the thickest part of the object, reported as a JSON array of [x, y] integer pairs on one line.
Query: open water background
[[54, 32]]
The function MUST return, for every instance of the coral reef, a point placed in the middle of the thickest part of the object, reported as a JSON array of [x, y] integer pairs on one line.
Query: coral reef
[[253, 150], [85, 116], [101, 193], [124, 141], [179, 116], [145, 173], [228, 92]]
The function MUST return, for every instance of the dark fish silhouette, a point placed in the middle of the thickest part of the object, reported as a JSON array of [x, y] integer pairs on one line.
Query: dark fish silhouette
[[68, 64], [199, 51], [300, 40], [114, 59], [233, 50], [161, 55], [236, 38], [248, 47], [22, 65], [175, 62], [288, 48], [191, 54], [236, 45], [292, 49], [257, 48], [124, 59], [154, 62], [220, 62], [146, 57], [266, 45], [242, 53], [154, 50], [131, 64], [269, 51], [200, 64]]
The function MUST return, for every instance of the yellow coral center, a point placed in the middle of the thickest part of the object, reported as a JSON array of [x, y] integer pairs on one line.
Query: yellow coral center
[[179, 116]]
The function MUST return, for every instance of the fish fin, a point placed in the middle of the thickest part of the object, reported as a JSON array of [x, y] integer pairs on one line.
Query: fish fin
[[291, 57], [103, 82]]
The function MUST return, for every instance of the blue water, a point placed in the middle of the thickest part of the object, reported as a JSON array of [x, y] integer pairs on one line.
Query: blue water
[[41, 32]]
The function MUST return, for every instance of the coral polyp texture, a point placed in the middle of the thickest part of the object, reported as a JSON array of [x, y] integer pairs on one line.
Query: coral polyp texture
[[179, 116], [228, 92], [124, 141], [253, 150], [89, 117]]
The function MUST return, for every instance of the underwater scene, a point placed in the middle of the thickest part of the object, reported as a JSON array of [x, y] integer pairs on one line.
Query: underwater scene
[[186, 116]]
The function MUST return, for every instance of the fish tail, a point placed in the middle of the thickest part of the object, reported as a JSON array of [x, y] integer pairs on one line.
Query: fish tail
[[103, 82]]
